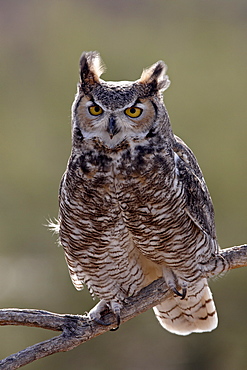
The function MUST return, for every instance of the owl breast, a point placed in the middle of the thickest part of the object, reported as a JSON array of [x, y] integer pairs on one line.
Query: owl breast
[[126, 218]]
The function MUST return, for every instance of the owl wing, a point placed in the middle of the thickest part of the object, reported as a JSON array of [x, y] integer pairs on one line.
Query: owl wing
[[199, 203]]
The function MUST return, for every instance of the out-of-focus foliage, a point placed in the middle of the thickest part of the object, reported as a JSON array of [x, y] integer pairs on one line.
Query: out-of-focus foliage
[[204, 45]]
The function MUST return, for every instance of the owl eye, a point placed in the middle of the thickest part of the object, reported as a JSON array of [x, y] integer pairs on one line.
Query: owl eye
[[95, 110], [133, 112]]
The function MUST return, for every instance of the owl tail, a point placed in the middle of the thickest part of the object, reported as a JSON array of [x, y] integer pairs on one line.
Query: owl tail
[[195, 313]]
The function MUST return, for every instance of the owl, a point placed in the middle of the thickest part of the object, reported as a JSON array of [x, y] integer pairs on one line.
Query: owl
[[133, 203]]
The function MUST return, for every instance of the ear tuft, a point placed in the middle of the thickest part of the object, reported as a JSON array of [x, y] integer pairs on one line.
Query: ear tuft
[[91, 67], [156, 76]]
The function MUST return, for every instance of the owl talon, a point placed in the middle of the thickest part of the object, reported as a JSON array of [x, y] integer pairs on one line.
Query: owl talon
[[182, 295], [173, 281], [118, 324], [100, 322], [177, 292], [184, 291], [115, 307], [95, 313]]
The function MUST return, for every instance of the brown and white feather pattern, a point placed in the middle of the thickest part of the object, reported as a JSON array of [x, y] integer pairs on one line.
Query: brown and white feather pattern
[[134, 206]]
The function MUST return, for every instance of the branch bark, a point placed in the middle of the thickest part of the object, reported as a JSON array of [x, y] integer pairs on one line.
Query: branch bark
[[77, 329]]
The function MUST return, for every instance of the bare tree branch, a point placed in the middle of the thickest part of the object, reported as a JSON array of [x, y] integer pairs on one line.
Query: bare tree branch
[[77, 329]]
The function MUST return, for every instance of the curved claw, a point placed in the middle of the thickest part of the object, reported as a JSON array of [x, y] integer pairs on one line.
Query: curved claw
[[182, 295], [95, 313], [114, 329], [101, 322], [174, 281], [184, 291], [177, 292], [118, 322]]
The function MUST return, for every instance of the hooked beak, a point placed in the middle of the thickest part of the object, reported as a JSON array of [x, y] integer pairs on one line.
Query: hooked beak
[[112, 127]]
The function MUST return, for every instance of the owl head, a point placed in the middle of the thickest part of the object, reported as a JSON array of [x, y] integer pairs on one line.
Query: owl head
[[114, 112]]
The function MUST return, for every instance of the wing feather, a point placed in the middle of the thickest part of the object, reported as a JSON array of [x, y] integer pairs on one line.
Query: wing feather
[[199, 203]]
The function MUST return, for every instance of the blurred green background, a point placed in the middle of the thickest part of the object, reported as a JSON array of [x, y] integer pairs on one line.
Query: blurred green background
[[204, 44]]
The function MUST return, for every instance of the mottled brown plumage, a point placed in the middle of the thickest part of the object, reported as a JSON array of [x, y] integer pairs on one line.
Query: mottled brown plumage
[[133, 202]]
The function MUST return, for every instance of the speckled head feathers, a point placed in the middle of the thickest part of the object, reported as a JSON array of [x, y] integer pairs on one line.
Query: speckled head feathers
[[153, 81]]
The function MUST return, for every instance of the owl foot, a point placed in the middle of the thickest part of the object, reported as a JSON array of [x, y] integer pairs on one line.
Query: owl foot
[[173, 282], [115, 308], [182, 295], [95, 313]]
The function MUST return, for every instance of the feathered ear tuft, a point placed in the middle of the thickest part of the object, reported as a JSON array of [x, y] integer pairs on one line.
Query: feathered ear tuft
[[91, 67], [156, 76]]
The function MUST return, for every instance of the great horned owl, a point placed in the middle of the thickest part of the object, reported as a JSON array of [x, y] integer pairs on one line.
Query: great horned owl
[[134, 205]]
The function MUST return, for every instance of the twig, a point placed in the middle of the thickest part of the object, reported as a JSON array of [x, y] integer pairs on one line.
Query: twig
[[77, 329]]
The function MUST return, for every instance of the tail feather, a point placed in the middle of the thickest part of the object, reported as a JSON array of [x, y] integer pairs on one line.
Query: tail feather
[[194, 314]]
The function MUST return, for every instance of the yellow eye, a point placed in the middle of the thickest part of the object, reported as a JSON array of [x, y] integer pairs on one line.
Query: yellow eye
[[95, 110], [133, 112]]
